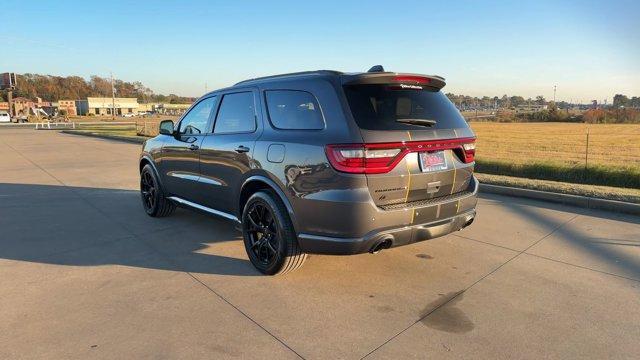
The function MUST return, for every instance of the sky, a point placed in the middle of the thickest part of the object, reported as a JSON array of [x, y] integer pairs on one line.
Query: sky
[[588, 49]]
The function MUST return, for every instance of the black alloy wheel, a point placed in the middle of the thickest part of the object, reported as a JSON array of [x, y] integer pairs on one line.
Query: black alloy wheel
[[153, 199], [148, 191], [263, 234], [269, 237]]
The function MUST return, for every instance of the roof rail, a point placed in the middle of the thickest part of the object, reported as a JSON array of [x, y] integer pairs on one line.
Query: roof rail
[[328, 72]]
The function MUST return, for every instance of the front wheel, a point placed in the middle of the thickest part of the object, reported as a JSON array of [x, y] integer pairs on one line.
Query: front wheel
[[269, 237], [153, 200]]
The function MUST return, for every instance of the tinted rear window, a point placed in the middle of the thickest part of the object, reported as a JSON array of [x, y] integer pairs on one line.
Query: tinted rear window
[[378, 107]]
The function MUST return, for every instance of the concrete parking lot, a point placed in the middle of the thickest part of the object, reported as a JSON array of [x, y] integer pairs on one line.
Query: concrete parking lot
[[86, 274]]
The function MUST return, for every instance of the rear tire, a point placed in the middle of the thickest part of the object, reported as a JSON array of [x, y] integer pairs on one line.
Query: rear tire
[[153, 199], [269, 237]]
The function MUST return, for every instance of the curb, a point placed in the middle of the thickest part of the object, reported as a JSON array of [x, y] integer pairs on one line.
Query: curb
[[566, 199], [17, 125], [108, 137]]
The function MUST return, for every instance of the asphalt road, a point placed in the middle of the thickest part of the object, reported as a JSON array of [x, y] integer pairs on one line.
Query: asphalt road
[[84, 273]]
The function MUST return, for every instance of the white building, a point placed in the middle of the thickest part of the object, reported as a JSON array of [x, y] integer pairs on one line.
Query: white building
[[104, 106]]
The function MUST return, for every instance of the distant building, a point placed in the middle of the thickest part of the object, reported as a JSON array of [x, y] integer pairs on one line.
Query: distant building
[[4, 106], [105, 106], [67, 105], [22, 105]]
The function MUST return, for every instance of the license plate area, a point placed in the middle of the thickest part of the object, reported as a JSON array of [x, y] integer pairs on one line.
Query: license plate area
[[432, 161]]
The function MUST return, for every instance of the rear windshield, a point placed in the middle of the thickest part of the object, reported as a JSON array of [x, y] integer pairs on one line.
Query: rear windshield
[[379, 107]]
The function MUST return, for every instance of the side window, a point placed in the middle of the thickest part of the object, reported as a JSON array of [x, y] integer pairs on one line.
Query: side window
[[294, 110], [237, 114], [195, 122]]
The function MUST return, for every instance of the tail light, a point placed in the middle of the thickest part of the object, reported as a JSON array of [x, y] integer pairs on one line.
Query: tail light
[[379, 158], [469, 149], [411, 78], [364, 158]]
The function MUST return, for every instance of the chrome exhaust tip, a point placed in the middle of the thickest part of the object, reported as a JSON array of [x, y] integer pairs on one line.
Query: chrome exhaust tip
[[385, 243]]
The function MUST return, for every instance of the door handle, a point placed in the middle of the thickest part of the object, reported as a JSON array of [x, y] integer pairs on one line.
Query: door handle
[[194, 147], [242, 149]]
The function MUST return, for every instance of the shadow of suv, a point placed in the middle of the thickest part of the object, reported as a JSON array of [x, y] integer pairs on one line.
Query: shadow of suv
[[318, 162]]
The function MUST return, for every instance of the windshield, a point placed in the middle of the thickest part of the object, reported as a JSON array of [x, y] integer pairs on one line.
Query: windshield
[[393, 107]]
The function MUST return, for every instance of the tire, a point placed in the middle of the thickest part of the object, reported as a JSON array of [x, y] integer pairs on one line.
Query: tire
[[154, 202], [275, 251]]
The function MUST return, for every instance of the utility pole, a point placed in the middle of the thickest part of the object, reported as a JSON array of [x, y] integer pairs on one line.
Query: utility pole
[[113, 99], [554, 93], [10, 100]]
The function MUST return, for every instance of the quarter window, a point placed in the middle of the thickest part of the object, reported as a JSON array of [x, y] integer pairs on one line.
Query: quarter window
[[195, 122], [237, 114], [294, 110]]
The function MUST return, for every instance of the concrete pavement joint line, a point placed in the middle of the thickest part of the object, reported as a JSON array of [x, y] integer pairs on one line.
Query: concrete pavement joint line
[[582, 267], [468, 287], [169, 260], [484, 242], [152, 248], [546, 258], [34, 164], [243, 313]]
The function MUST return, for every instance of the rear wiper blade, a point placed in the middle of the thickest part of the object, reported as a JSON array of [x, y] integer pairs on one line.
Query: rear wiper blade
[[421, 122]]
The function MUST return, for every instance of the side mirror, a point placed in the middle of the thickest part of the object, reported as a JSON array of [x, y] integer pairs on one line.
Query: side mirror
[[166, 127]]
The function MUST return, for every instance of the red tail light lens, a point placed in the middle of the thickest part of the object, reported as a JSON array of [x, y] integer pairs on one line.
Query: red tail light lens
[[469, 149], [379, 158], [363, 158]]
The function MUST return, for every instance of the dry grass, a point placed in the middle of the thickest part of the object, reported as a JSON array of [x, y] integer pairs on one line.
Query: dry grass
[[615, 145], [558, 151]]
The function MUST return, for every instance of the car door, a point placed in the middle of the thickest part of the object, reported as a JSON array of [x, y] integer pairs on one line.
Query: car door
[[180, 164], [227, 154]]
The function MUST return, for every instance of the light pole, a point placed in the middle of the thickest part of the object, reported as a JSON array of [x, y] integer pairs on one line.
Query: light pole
[[113, 99]]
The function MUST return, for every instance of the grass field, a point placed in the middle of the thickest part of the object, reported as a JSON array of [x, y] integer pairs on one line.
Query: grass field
[[559, 151]]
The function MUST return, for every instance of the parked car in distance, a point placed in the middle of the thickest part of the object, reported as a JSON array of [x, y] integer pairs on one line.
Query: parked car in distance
[[318, 162], [4, 117], [128, 115]]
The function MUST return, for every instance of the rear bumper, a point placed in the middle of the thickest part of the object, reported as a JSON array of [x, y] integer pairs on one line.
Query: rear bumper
[[405, 235]]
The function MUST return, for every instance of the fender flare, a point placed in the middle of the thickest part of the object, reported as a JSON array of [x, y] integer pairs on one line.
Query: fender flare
[[149, 160], [274, 186]]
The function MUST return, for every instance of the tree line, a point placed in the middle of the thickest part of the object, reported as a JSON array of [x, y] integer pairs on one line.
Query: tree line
[[506, 102], [622, 101], [53, 88], [465, 101]]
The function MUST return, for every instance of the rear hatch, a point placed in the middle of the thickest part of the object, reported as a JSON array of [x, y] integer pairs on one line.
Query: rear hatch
[[417, 146]]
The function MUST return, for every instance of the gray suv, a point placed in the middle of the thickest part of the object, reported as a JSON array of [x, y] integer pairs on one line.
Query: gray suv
[[320, 162]]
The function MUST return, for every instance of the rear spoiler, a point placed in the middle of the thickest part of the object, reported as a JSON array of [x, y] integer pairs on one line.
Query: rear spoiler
[[433, 81]]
